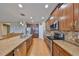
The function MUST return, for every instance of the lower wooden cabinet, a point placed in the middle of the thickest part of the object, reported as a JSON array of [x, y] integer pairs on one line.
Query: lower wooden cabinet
[[49, 44], [28, 44], [58, 51], [22, 50], [55, 50]]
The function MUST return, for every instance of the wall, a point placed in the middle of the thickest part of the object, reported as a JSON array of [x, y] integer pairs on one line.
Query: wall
[[18, 28], [1, 29], [41, 30]]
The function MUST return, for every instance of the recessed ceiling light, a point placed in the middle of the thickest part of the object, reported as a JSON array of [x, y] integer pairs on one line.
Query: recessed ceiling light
[[46, 6], [20, 5], [52, 17], [21, 23], [43, 18], [30, 17]]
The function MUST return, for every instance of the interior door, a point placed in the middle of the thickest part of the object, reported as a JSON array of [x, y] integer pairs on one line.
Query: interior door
[[35, 30], [6, 29]]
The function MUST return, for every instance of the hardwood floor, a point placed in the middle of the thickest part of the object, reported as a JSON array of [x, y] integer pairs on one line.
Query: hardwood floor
[[38, 48]]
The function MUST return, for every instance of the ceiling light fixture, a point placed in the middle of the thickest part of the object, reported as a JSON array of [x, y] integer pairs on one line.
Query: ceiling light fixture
[[21, 23], [20, 5], [43, 18], [52, 17], [46, 6], [30, 17]]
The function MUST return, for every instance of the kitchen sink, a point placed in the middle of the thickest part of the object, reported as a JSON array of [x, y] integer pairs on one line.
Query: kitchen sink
[[50, 37]]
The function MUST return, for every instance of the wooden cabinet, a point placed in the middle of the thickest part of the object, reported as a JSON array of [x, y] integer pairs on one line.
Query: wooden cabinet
[[55, 16], [55, 50], [63, 52], [20, 50], [52, 19], [28, 44], [58, 51], [76, 16], [66, 17], [49, 44]]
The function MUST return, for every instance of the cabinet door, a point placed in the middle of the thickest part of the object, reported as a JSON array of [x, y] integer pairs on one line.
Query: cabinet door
[[76, 16], [61, 23], [55, 50], [58, 51], [67, 17], [28, 44], [63, 52], [55, 16], [20, 50]]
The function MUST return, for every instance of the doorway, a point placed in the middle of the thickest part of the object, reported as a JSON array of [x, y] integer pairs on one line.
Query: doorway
[[6, 29]]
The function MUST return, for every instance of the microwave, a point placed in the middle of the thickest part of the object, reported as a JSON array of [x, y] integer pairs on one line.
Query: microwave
[[55, 26], [59, 36]]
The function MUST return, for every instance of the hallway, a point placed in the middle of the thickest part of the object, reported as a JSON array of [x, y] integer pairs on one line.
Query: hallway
[[38, 48]]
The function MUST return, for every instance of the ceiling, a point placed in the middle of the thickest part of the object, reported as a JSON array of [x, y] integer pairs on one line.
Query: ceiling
[[10, 12]]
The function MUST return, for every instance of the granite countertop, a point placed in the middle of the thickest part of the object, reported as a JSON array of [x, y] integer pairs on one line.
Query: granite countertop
[[9, 35], [6, 46], [72, 49]]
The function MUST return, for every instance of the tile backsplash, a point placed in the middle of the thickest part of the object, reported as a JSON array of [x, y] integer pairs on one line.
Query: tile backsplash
[[72, 37], [69, 36]]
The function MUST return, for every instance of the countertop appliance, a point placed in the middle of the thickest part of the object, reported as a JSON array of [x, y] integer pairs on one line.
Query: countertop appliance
[[59, 36], [54, 26]]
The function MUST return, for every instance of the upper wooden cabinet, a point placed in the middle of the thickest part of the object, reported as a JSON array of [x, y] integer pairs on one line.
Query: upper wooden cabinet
[[66, 17], [76, 16], [55, 16]]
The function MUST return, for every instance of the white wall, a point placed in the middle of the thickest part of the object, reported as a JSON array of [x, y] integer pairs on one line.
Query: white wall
[[1, 28], [41, 30]]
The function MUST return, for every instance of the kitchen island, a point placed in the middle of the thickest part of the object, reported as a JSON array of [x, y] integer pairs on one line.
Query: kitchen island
[[11, 45]]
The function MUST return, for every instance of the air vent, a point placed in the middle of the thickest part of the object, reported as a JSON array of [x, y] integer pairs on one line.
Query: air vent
[[22, 14]]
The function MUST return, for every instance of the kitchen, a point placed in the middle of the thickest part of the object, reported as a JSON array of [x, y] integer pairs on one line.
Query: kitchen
[[53, 27]]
